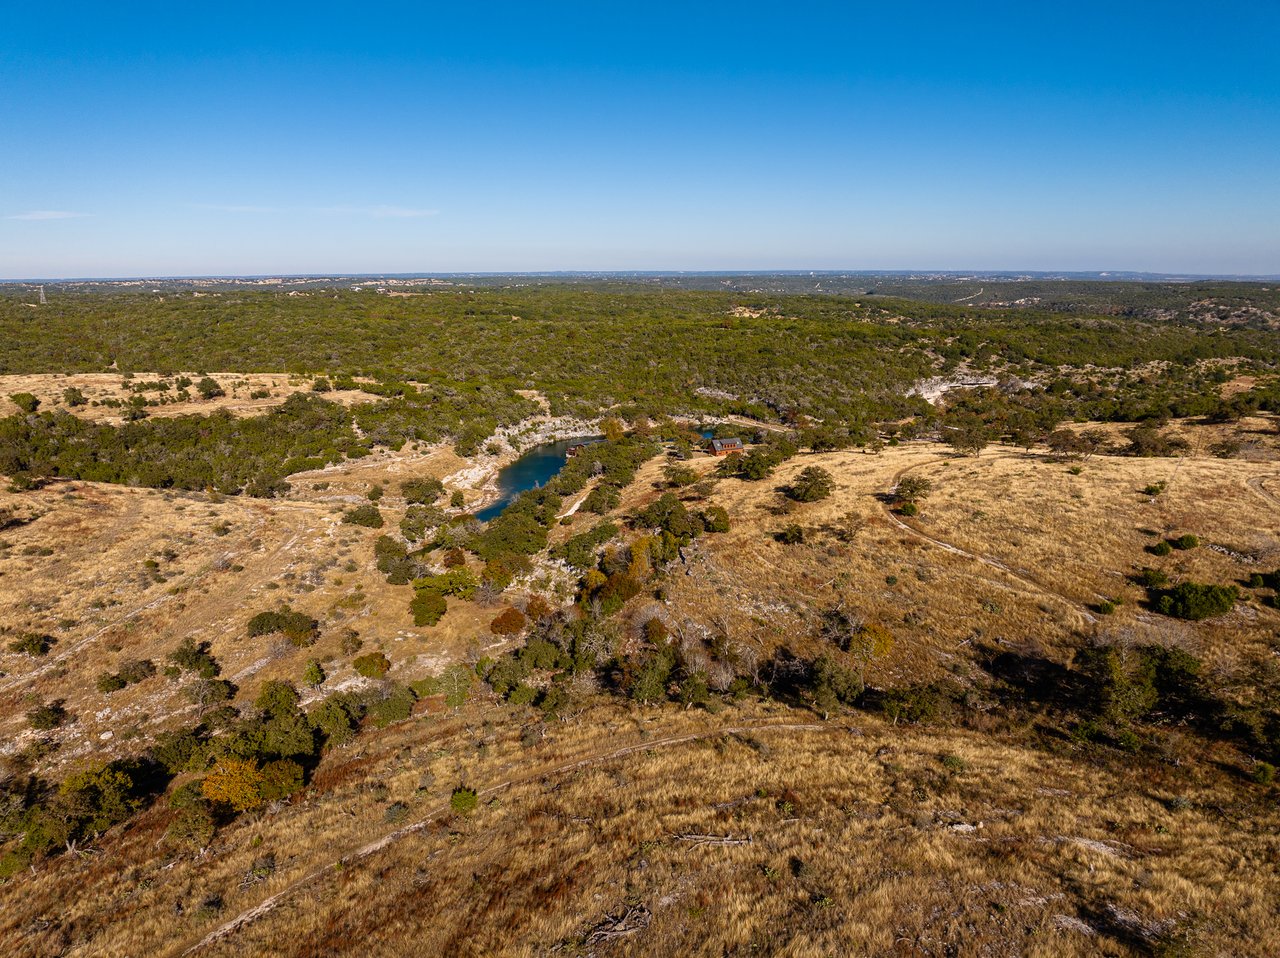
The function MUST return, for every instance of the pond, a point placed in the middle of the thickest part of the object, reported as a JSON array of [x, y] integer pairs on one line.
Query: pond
[[533, 469]]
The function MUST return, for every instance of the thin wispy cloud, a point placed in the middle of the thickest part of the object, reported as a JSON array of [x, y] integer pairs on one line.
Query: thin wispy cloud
[[377, 212], [381, 212], [46, 215]]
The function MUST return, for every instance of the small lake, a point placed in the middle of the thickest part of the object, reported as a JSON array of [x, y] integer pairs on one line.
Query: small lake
[[533, 469]]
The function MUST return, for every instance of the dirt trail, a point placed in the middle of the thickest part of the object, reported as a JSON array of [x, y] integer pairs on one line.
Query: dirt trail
[[1255, 486], [1080, 611], [364, 851]]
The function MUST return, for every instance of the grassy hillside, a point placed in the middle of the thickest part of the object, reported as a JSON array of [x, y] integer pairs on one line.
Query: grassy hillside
[[992, 673]]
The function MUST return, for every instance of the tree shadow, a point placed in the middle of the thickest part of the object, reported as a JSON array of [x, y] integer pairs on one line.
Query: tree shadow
[[1030, 678]]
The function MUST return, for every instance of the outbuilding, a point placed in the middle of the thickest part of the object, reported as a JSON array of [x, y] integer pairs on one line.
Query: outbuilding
[[723, 447]]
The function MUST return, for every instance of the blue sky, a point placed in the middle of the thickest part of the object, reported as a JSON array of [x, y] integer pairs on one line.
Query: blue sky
[[176, 139]]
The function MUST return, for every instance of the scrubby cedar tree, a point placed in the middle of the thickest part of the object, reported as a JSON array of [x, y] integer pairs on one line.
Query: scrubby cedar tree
[[367, 516], [372, 666], [428, 607]]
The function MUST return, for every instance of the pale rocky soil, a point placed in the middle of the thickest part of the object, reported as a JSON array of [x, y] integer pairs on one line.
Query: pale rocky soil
[[49, 387]]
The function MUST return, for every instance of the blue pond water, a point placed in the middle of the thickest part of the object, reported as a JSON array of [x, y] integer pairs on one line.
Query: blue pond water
[[535, 468]]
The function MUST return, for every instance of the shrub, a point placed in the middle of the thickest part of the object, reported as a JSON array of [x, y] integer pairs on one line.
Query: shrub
[[1153, 490], [26, 402], [351, 642], [428, 607], [1106, 607], [1151, 579], [1195, 601], [1264, 773], [136, 670], [508, 622], [790, 535], [1185, 542], [74, 397], [511, 532], [190, 657], [47, 716], [1161, 548], [32, 643], [647, 682], [320, 385], [464, 800], [919, 703], [909, 509], [387, 553], [833, 685], [108, 683], [460, 582], [580, 550], [96, 798], [396, 707], [395, 812], [174, 751], [192, 826], [298, 627], [422, 491], [375, 492], [368, 516], [715, 518], [313, 674], [372, 666], [1149, 441], [208, 388]]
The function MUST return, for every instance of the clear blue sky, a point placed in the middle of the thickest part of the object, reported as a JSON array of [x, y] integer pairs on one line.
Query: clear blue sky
[[188, 138]]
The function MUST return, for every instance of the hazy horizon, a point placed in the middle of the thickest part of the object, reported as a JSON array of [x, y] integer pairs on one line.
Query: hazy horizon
[[1117, 275]]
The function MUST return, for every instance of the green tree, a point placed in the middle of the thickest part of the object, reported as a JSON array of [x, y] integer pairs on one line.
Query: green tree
[[811, 485], [912, 490]]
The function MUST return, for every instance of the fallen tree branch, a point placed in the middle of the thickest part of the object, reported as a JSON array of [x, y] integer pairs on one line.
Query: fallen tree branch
[[714, 839], [628, 922]]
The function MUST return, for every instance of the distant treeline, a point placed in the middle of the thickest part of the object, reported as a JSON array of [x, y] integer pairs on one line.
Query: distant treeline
[[447, 364]]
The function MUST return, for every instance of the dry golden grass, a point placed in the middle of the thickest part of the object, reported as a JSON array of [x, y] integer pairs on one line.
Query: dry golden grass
[[234, 557], [1009, 546], [860, 839], [865, 839]]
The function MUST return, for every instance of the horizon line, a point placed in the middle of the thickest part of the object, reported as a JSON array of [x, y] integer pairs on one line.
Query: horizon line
[[998, 273]]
